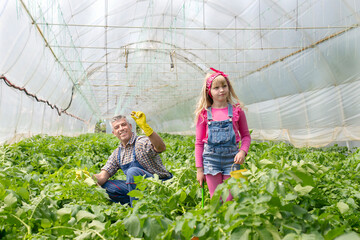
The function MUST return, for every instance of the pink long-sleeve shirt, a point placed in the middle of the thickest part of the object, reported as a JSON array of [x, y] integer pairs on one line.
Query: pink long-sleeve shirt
[[219, 114]]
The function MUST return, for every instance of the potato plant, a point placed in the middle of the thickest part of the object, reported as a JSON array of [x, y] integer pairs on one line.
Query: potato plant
[[46, 192]]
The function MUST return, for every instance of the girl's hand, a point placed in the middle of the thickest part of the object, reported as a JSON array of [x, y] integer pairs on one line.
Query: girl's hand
[[200, 175], [240, 157]]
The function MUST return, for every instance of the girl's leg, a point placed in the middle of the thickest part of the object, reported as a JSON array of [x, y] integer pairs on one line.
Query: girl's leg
[[230, 197], [213, 181]]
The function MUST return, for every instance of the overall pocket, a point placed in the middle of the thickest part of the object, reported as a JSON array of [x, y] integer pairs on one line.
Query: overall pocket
[[219, 135]]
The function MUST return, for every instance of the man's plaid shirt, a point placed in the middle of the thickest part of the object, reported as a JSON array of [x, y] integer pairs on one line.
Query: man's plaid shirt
[[145, 155]]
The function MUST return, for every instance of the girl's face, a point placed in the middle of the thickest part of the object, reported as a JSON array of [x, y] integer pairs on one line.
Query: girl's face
[[219, 89]]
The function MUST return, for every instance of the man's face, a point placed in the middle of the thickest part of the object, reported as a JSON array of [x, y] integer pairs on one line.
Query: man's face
[[122, 130]]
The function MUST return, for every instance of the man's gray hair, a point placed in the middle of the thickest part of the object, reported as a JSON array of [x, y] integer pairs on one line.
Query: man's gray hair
[[117, 118]]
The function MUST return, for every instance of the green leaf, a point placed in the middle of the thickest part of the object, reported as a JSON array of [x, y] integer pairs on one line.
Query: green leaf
[[294, 227], [230, 211], [291, 236], [275, 201], [10, 200], [290, 196], [306, 179], [270, 187], [235, 190], [165, 222], [83, 236], [72, 221], [241, 233], [45, 223], [357, 195], [89, 181], [263, 199], [303, 190], [97, 225], [352, 203], [201, 230], [215, 201], [64, 214], [84, 215], [253, 168], [182, 196], [23, 193], [63, 211], [299, 211], [132, 225], [333, 233], [260, 209], [265, 162], [312, 236], [136, 193], [186, 230], [343, 207], [152, 228], [179, 225], [263, 233], [349, 236], [273, 230], [244, 211]]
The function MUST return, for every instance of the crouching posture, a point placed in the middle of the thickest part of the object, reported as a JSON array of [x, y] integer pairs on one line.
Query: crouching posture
[[135, 156]]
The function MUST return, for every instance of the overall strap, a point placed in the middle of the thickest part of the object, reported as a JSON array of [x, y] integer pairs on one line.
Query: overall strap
[[209, 115], [230, 110], [134, 155], [119, 156]]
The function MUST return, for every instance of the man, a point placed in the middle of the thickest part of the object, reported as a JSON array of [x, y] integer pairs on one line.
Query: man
[[135, 156]]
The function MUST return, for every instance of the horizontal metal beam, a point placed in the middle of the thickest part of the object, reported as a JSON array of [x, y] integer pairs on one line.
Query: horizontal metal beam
[[183, 49], [194, 28]]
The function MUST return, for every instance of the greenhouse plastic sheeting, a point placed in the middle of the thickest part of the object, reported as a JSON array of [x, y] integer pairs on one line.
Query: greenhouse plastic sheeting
[[67, 64]]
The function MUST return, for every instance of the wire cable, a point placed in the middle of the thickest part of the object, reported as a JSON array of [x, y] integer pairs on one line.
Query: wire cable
[[52, 106]]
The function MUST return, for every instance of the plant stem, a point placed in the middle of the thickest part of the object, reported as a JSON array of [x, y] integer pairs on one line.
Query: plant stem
[[27, 226], [32, 214], [74, 229]]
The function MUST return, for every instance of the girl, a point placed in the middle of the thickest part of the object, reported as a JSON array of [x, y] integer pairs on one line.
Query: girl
[[219, 119]]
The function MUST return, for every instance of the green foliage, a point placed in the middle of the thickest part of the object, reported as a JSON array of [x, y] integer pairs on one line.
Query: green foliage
[[45, 193], [100, 127]]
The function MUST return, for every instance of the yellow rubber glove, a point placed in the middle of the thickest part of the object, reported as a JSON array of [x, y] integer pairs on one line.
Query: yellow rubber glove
[[140, 120]]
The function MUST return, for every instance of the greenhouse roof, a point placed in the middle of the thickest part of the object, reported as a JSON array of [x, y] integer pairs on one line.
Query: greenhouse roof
[[67, 64]]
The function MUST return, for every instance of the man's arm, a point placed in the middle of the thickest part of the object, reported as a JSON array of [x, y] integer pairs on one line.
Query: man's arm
[[155, 139], [102, 177], [157, 142]]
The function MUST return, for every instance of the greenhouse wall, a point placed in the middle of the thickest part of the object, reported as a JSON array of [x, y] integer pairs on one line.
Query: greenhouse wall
[[66, 65]]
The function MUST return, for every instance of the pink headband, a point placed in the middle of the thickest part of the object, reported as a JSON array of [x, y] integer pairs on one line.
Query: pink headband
[[212, 77]]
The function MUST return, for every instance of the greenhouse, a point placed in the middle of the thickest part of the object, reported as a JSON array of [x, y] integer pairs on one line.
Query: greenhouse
[[68, 67]]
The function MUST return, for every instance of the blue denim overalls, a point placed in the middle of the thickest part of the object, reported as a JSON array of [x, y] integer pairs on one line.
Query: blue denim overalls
[[221, 148], [118, 189]]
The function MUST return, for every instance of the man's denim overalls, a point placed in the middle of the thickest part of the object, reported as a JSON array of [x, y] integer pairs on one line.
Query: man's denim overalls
[[118, 189]]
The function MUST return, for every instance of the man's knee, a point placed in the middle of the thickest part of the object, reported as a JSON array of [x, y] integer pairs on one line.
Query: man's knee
[[115, 187], [135, 171], [132, 172]]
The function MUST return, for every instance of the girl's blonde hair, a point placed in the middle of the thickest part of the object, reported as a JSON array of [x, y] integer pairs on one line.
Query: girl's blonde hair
[[205, 101]]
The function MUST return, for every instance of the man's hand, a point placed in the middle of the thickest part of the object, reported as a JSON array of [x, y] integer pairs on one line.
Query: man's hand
[[101, 177], [140, 120], [155, 139]]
